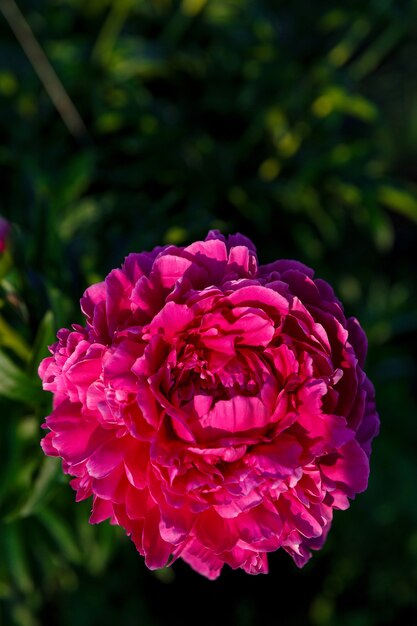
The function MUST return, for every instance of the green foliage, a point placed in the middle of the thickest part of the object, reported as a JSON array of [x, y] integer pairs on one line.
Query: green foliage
[[292, 122]]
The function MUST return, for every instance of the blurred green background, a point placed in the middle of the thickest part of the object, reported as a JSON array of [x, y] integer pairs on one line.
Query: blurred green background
[[294, 123]]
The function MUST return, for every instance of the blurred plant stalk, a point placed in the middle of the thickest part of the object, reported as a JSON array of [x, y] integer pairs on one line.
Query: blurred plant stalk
[[43, 68]]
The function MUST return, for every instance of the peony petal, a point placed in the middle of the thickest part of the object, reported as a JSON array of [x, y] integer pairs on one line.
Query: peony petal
[[111, 487], [257, 329], [328, 432], [358, 339], [136, 459], [106, 458], [285, 362], [136, 501], [87, 370], [240, 413], [91, 298], [259, 524], [117, 364], [75, 438], [47, 445], [284, 265], [168, 268], [136, 265], [210, 249], [257, 563], [298, 516], [240, 240], [172, 320], [276, 459], [202, 404], [239, 258], [118, 290], [156, 550], [235, 507], [214, 532], [146, 298], [176, 524], [348, 468], [202, 560], [259, 296], [102, 510]]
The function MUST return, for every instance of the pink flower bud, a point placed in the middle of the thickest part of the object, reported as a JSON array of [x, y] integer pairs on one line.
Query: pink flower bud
[[4, 233]]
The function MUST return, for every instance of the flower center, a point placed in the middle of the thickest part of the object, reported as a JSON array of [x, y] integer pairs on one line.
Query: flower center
[[193, 376]]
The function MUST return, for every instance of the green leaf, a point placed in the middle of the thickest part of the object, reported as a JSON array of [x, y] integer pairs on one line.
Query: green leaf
[[377, 50], [44, 337], [61, 533], [15, 556], [344, 50], [82, 214], [110, 31], [339, 100], [399, 200], [48, 473], [9, 338], [16, 385]]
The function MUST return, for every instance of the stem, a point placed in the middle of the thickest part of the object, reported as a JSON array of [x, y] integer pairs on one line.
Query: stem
[[43, 68]]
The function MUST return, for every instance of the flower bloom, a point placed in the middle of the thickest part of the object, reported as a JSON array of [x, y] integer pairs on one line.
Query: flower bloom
[[215, 409], [4, 233]]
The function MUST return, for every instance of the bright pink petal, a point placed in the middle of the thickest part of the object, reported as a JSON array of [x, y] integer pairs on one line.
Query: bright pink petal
[[202, 560], [102, 510], [105, 458], [240, 413], [259, 296], [169, 268], [156, 550], [171, 321]]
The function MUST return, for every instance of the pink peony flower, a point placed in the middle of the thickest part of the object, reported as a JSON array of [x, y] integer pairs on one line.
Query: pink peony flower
[[215, 409], [4, 233]]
